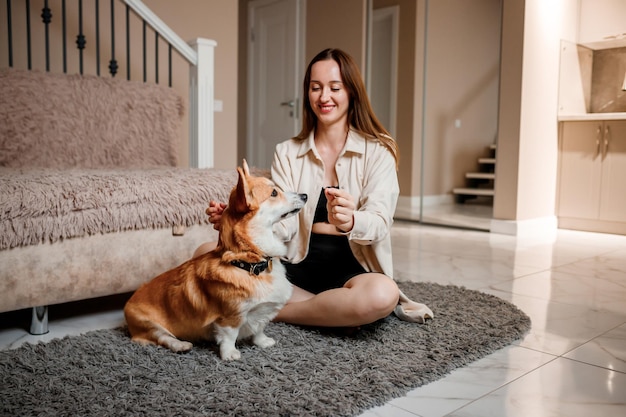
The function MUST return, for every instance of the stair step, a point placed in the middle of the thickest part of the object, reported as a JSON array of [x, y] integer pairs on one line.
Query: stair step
[[474, 191], [492, 146], [487, 160], [481, 175]]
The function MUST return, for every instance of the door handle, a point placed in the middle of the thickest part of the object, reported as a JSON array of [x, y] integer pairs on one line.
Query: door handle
[[290, 103], [607, 137], [598, 135]]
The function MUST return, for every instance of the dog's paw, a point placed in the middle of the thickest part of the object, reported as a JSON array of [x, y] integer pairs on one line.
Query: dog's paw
[[174, 344], [230, 354], [180, 346], [262, 341]]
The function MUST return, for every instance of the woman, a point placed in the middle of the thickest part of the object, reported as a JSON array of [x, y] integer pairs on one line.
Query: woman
[[339, 245]]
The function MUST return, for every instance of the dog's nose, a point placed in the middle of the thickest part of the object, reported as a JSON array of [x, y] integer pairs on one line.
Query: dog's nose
[[304, 197]]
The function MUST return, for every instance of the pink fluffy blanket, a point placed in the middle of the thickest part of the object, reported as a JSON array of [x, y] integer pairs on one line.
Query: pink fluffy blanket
[[74, 121], [46, 205]]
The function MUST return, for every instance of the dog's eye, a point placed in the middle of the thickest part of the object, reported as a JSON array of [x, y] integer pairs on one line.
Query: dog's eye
[[274, 193]]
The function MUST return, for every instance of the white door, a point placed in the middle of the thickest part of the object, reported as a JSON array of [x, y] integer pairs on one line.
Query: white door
[[274, 76], [384, 65]]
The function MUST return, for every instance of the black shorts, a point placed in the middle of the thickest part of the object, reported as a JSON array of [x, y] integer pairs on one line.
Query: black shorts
[[329, 264]]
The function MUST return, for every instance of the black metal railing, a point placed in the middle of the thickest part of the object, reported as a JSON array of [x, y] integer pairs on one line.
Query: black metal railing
[[83, 42]]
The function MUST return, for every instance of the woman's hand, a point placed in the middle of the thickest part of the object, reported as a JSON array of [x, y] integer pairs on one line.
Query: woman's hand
[[340, 208], [215, 211]]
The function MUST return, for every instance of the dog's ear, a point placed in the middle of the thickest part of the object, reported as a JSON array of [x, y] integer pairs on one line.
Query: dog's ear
[[244, 200], [246, 170], [239, 202]]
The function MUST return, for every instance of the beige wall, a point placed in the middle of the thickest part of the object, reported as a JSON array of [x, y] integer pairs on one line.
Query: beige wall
[[242, 78], [527, 137], [407, 84], [412, 194], [217, 20], [462, 80], [505, 201], [336, 24]]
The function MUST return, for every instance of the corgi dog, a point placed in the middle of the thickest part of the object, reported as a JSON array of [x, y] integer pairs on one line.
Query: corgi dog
[[227, 294]]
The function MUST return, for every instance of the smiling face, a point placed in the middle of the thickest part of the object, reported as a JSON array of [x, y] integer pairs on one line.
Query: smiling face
[[328, 96]]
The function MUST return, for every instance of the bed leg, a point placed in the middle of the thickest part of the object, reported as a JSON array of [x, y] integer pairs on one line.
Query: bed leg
[[39, 320]]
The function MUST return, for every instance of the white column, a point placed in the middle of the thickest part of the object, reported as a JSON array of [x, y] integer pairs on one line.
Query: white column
[[201, 104]]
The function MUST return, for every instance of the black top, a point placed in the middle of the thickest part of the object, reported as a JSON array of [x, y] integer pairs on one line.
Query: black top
[[321, 214]]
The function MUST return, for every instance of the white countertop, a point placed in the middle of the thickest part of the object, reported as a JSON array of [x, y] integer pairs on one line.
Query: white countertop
[[591, 116]]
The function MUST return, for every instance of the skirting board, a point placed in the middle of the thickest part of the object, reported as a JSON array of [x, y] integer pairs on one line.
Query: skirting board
[[542, 226], [409, 207], [598, 226]]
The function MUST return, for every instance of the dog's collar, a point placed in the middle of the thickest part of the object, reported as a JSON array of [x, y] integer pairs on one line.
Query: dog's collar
[[254, 268]]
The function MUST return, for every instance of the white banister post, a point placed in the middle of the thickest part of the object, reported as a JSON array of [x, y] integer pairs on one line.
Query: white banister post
[[201, 104]]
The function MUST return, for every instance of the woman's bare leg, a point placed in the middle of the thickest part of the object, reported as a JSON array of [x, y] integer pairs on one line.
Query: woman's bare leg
[[363, 299]]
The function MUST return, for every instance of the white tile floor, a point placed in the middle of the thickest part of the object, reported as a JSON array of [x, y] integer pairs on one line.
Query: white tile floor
[[572, 285]]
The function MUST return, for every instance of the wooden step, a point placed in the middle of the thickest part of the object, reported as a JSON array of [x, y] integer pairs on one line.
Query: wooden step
[[474, 191], [481, 175], [487, 161]]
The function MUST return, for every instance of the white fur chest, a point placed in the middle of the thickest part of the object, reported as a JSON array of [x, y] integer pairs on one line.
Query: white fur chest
[[269, 298]]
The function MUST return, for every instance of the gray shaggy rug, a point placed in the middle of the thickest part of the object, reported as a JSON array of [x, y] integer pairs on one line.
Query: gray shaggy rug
[[308, 372]]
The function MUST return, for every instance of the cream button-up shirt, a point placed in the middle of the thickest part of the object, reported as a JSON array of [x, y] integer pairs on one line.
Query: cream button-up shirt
[[367, 170]]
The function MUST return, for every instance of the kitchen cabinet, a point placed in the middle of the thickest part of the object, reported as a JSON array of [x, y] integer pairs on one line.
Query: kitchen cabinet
[[602, 21], [592, 176]]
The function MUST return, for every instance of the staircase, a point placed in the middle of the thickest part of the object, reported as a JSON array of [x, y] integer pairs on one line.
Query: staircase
[[479, 184]]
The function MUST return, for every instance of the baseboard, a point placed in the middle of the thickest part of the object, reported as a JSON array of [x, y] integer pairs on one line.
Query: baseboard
[[542, 226], [409, 207], [587, 225]]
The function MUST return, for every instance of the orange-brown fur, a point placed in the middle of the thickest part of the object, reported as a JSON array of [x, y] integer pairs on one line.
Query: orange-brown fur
[[207, 297]]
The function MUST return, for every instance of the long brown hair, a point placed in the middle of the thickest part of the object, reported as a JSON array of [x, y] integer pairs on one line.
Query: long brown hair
[[361, 116]]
